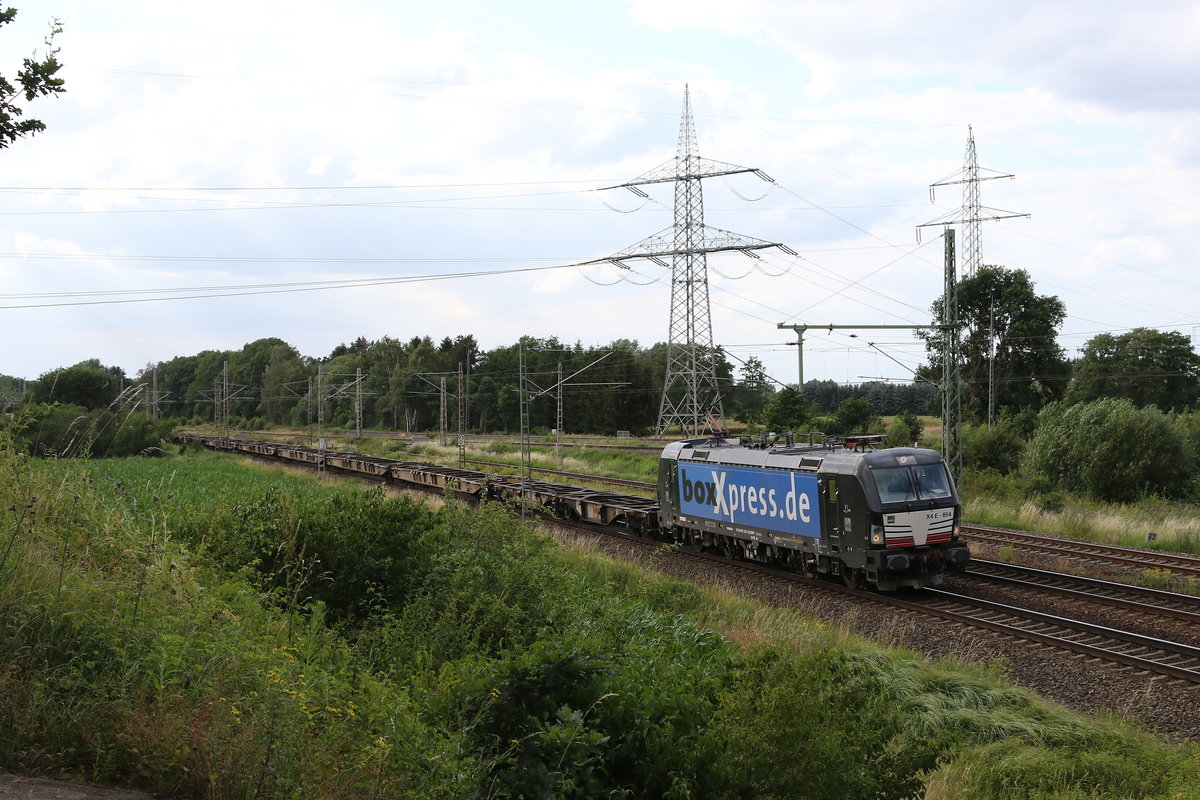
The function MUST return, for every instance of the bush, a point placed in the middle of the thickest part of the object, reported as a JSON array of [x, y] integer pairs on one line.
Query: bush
[[996, 447], [1111, 451], [788, 410], [833, 707], [72, 431], [905, 430], [854, 416]]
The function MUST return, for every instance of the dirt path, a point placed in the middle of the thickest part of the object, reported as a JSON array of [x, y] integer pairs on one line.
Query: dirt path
[[17, 787]]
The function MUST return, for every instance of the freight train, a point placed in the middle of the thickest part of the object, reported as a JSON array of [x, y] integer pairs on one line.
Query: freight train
[[883, 518]]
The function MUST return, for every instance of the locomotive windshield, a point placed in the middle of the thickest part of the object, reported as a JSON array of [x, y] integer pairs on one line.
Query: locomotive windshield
[[909, 484]]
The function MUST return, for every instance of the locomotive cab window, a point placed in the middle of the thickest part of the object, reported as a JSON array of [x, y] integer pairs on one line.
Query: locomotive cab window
[[909, 484], [933, 482]]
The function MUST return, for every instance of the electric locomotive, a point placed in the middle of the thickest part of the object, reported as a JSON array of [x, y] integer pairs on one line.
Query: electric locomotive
[[887, 518]]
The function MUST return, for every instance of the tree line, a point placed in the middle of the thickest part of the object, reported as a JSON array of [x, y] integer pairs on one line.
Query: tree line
[[398, 385], [1015, 377]]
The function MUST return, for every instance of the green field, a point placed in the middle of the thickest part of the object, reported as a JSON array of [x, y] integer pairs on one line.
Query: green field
[[201, 627]]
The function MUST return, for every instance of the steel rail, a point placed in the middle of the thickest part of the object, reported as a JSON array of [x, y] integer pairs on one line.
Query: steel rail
[[979, 568], [1061, 642], [973, 620], [1182, 563], [1168, 669]]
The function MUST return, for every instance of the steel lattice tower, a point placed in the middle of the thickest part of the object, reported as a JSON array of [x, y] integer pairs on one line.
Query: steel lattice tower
[[972, 237], [690, 387], [971, 215], [690, 391]]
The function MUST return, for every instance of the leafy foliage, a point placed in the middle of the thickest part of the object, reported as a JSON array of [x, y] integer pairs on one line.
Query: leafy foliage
[[905, 430], [749, 397], [885, 398], [999, 307], [402, 383], [788, 410], [74, 431], [1111, 450], [1145, 366], [854, 416], [88, 384], [812, 708], [36, 78], [994, 447]]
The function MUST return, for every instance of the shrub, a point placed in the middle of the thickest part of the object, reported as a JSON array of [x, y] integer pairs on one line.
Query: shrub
[[905, 430], [788, 410], [856, 415], [833, 707], [72, 431], [1111, 451], [996, 447]]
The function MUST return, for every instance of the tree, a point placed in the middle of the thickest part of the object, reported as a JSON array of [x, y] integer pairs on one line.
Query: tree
[[36, 78], [905, 430], [283, 383], [1146, 366], [788, 411], [998, 305], [855, 416], [749, 397], [88, 384]]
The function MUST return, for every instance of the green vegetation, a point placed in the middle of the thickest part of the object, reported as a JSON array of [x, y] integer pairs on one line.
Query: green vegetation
[[74, 431], [1009, 332], [1111, 450], [197, 626], [1146, 367], [37, 77]]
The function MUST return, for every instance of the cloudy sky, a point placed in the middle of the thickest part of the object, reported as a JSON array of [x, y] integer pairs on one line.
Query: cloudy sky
[[430, 169]]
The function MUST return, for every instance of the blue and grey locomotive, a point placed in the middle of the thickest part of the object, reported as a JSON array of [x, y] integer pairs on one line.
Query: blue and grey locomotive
[[886, 518]]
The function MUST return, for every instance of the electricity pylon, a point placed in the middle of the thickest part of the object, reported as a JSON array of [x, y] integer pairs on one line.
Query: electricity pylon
[[972, 214], [690, 392]]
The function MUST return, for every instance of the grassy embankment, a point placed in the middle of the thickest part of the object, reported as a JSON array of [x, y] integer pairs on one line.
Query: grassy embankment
[[201, 627]]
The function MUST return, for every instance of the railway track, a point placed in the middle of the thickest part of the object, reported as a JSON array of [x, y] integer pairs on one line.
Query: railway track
[[1145, 653], [1124, 596], [1148, 655], [1140, 558]]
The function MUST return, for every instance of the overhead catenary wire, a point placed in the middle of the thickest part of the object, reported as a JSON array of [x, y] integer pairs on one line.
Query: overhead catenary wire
[[210, 292]]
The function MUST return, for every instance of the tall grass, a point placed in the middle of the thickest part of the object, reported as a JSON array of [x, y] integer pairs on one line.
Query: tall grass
[[130, 659], [1005, 502]]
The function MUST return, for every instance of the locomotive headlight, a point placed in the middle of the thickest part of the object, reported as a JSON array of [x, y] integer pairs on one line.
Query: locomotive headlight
[[876, 534]]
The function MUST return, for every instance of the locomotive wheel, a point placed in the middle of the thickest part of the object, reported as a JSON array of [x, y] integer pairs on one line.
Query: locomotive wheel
[[854, 578]]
